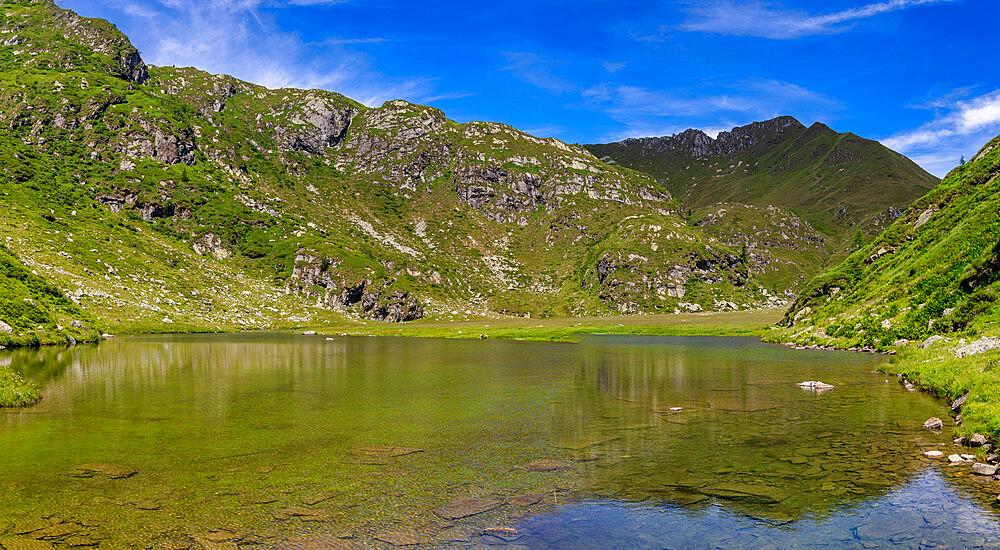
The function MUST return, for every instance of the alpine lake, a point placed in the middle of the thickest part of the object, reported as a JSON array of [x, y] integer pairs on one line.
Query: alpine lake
[[303, 442]]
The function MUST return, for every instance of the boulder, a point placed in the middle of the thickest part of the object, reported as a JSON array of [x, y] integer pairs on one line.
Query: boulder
[[979, 346], [931, 341], [933, 454], [957, 404], [977, 440], [5, 328], [984, 469], [933, 423]]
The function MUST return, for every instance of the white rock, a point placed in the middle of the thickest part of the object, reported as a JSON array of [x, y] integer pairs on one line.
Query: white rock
[[931, 341], [309, 333], [814, 385], [933, 454], [977, 347], [676, 409], [954, 458], [984, 469]]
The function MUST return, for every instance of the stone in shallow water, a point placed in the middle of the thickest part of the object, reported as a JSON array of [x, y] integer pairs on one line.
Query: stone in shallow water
[[386, 451], [872, 483], [13, 543], [955, 458], [464, 507], [545, 465], [102, 469], [320, 542], [933, 454], [578, 443], [303, 513], [744, 491], [933, 423], [29, 526], [506, 534], [315, 498], [400, 538], [524, 500], [984, 469]]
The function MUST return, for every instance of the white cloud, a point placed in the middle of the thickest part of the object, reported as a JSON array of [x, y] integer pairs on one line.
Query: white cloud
[[538, 71], [960, 128], [762, 20], [242, 39]]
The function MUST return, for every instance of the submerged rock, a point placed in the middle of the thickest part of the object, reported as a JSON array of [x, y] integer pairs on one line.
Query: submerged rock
[[545, 465], [103, 469], [933, 423], [386, 451], [763, 494], [464, 507], [506, 534], [400, 538], [15, 543]]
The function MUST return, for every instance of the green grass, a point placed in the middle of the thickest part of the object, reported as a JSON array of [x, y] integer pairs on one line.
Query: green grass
[[737, 323], [937, 370], [936, 270], [16, 391]]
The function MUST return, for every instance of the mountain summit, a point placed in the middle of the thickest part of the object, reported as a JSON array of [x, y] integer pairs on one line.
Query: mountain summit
[[169, 197]]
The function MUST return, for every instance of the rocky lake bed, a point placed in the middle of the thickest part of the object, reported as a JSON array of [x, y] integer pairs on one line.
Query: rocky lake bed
[[291, 441]]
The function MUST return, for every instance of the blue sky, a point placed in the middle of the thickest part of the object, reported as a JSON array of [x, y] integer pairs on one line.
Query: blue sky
[[919, 75]]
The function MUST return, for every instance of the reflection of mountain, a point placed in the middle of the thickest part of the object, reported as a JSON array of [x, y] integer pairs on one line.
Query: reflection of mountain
[[923, 512], [747, 435]]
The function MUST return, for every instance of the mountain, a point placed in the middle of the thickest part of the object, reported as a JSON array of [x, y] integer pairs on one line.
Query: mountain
[[163, 198], [928, 288], [936, 270], [838, 183]]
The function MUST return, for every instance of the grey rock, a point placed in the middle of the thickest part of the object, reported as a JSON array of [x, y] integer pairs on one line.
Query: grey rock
[[933, 423], [76, 324], [979, 346], [984, 469], [977, 440], [5, 328], [931, 341], [957, 404]]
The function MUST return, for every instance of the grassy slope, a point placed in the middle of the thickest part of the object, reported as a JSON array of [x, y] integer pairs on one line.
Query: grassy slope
[[736, 323], [838, 182], [92, 207], [935, 271]]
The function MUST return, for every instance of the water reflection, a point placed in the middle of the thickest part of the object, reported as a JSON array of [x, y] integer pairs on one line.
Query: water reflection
[[925, 512], [234, 431]]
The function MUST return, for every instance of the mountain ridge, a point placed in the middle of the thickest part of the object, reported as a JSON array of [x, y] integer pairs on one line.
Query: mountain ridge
[[165, 198]]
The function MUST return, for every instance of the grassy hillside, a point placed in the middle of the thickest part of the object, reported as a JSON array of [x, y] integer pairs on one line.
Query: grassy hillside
[[934, 272], [839, 183], [162, 198]]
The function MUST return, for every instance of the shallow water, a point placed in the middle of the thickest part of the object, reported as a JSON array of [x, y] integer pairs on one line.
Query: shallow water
[[298, 442]]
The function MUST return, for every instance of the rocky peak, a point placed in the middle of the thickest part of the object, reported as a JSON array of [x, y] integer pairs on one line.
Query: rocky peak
[[695, 142], [97, 35], [745, 137]]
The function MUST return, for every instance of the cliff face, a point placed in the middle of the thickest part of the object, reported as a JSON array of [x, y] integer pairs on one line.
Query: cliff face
[[155, 195]]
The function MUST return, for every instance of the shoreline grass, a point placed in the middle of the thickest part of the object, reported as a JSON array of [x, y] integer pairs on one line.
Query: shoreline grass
[[15, 391]]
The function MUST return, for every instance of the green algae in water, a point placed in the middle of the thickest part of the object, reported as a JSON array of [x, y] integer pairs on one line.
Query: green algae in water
[[276, 441]]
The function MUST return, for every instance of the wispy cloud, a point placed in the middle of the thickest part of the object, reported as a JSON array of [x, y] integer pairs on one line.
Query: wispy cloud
[[242, 38], [763, 20], [960, 128], [538, 70]]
